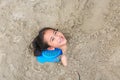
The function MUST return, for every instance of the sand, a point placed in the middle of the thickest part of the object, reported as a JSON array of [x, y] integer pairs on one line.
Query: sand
[[92, 28]]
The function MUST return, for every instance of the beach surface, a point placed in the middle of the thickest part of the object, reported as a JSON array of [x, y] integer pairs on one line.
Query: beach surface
[[92, 28]]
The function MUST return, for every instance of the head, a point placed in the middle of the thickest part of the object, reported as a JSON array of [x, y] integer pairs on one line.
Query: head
[[48, 38]]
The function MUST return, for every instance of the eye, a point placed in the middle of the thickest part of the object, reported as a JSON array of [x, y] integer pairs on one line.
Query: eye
[[55, 32], [53, 39]]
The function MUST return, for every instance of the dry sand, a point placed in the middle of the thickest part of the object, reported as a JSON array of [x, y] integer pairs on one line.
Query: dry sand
[[92, 28]]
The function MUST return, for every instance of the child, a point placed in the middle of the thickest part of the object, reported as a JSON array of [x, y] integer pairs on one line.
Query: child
[[49, 39]]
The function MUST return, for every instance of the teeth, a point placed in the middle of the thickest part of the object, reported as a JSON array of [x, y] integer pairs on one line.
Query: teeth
[[60, 40]]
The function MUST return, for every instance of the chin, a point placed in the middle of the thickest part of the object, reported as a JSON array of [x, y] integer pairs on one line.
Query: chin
[[64, 43]]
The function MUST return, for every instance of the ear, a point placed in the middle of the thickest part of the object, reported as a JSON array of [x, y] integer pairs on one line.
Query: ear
[[50, 48]]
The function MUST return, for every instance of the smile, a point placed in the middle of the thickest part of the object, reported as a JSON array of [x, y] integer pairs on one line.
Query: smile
[[61, 39]]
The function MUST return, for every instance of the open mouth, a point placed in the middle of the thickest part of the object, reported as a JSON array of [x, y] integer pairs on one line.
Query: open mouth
[[61, 39]]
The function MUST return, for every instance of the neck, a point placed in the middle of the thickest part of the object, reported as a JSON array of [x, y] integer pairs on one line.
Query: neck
[[64, 48]]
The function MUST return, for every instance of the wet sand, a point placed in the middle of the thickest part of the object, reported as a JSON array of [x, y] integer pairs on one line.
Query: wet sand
[[92, 28]]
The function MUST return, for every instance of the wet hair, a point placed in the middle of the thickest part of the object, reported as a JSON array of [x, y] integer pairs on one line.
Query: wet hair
[[38, 43]]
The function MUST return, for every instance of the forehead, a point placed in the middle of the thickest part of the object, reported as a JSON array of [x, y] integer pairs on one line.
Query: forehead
[[48, 34]]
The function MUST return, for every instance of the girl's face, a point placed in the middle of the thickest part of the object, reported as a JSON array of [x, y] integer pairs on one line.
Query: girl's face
[[54, 38]]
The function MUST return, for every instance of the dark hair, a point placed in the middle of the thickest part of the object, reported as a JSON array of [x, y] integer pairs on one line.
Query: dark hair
[[38, 43]]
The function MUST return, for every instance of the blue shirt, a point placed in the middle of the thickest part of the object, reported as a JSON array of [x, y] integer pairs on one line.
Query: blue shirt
[[50, 56]]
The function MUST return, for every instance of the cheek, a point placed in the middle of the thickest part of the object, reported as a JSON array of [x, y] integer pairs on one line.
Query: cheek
[[54, 44]]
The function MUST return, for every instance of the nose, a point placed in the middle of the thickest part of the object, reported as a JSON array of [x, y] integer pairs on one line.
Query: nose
[[57, 36]]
